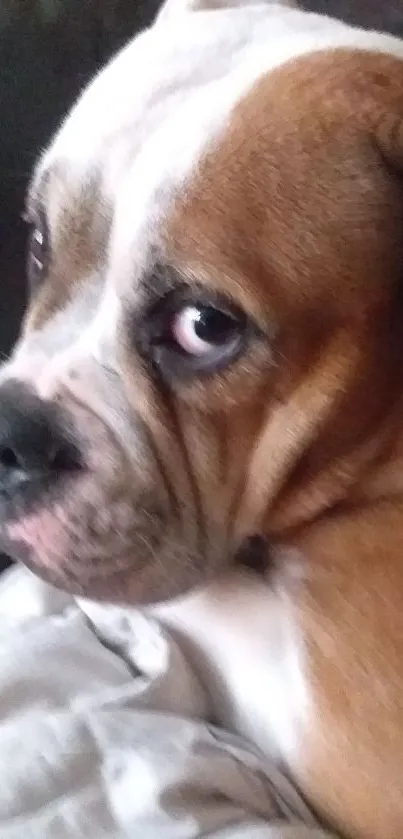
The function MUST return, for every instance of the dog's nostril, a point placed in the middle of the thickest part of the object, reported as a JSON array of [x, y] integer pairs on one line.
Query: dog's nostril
[[35, 441], [8, 459], [53, 458]]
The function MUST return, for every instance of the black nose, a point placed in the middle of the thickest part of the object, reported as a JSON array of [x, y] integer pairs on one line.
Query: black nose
[[34, 441]]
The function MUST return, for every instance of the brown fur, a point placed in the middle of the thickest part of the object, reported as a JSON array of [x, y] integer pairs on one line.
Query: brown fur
[[297, 214]]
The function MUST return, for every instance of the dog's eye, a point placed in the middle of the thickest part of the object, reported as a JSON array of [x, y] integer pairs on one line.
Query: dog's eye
[[186, 337], [203, 331], [38, 251]]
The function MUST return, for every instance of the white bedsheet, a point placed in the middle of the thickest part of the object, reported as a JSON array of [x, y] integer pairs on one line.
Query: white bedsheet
[[104, 732]]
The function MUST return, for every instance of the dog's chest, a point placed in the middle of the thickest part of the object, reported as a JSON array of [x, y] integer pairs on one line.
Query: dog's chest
[[240, 638]]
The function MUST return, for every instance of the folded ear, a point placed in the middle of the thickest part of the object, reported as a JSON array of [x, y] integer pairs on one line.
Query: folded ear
[[174, 7]]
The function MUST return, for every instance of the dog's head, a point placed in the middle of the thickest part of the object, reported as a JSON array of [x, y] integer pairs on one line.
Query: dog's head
[[213, 344]]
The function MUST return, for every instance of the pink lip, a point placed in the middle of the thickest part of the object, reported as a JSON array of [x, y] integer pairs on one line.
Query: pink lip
[[37, 541], [37, 531], [32, 520]]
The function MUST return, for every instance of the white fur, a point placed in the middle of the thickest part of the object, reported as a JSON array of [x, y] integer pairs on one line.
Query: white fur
[[143, 124], [241, 636]]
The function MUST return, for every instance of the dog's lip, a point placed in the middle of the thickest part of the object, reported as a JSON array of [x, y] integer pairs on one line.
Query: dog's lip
[[25, 506], [32, 495], [106, 582], [72, 577]]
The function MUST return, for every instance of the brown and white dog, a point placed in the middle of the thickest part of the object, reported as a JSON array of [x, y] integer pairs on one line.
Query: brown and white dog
[[213, 351]]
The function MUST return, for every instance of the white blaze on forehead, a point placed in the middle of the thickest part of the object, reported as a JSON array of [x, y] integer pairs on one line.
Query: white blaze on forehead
[[158, 105], [101, 337]]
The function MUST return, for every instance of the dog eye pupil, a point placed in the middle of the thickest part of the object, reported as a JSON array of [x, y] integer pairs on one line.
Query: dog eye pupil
[[197, 330], [213, 326]]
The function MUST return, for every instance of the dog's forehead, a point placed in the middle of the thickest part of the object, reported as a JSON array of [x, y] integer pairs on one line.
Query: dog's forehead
[[294, 201], [142, 124]]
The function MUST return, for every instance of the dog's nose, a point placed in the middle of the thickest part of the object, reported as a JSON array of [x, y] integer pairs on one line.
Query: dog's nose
[[33, 439]]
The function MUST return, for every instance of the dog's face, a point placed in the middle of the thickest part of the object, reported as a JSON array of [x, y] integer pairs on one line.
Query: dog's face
[[208, 343]]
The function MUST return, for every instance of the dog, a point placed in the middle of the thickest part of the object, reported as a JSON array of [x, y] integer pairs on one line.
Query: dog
[[212, 358]]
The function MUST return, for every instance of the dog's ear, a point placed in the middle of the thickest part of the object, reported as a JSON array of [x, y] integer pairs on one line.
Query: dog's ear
[[174, 7]]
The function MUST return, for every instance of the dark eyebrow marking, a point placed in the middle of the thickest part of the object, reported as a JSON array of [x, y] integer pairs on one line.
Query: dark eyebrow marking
[[158, 281]]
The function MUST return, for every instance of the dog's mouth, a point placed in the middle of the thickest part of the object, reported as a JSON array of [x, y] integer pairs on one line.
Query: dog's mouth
[[26, 517], [76, 539]]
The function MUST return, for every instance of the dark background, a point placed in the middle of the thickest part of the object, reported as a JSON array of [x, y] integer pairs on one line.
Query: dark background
[[48, 51]]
